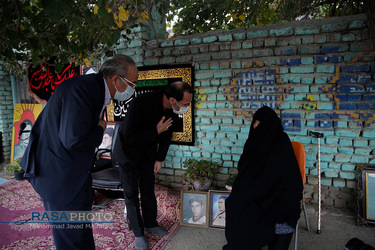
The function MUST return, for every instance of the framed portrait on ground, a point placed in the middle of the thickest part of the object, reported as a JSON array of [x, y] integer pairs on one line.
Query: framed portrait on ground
[[366, 198], [194, 208], [217, 208], [104, 149]]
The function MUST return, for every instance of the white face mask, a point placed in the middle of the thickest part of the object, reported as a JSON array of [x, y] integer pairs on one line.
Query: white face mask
[[181, 111], [123, 96]]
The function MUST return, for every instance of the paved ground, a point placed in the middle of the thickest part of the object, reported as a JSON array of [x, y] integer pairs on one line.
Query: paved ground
[[338, 226]]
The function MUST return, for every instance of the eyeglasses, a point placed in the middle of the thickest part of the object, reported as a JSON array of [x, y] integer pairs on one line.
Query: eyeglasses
[[132, 84], [184, 105]]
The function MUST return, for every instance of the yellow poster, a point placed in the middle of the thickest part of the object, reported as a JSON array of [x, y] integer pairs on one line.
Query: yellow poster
[[25, 115]]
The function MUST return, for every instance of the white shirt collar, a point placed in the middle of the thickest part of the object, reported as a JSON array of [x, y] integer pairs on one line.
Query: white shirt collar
[[107, 97]]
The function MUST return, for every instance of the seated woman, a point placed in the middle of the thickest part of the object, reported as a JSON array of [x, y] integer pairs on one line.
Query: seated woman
[[264, 205]]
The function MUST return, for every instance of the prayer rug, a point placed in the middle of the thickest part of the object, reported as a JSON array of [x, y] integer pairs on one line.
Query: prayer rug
[[18, 200]]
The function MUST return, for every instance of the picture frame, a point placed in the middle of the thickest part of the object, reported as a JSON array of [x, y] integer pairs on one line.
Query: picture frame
[[194, 206], [217, 208], [104, 149], [366, 199], [24, 116], [92, 69]]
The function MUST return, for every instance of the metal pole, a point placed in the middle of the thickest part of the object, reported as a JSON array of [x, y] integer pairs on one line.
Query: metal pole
[[318, 135], [320, 188]]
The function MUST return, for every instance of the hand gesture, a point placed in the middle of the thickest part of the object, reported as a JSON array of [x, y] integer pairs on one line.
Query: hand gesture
[[103, 124], [163, 126]]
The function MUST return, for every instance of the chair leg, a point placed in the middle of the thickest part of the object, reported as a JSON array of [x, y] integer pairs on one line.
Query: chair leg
[[305, 213], [296, 236]]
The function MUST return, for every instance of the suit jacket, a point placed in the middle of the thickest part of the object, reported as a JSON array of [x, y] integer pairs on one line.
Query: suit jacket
[[138, 140], [60, 153]]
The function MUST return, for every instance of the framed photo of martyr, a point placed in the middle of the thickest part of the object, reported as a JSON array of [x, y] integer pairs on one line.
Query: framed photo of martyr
[[217, 212], [194, 209], [104, 149], [366, 184]]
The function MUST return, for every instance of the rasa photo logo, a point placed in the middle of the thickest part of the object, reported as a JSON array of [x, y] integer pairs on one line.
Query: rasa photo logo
[[71, 217]]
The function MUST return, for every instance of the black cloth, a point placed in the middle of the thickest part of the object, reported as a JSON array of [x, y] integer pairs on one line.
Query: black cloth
[[137, 147], [268, 187]]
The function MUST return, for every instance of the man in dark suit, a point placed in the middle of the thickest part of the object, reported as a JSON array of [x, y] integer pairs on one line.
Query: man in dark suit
[[141, 146], [59, 156]]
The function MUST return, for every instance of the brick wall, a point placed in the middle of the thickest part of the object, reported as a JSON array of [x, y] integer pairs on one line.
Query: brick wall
[[318, 75], [6, 115]]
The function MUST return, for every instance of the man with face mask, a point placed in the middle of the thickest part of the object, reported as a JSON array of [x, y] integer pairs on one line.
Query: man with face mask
[[60, 153], [140, 148]]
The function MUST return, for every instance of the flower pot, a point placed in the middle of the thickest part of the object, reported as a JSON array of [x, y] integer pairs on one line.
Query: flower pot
[[19, 175], [201, 185]]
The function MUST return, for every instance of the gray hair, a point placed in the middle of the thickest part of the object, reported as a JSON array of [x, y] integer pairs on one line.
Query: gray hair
[[117, 65]]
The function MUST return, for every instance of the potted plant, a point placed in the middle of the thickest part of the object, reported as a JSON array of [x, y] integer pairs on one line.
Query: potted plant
[[15, 169], [230, 181], [200, 173]]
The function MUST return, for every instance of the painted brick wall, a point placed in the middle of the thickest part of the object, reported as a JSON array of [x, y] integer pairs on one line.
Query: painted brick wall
[[318, 75], [6, 115]]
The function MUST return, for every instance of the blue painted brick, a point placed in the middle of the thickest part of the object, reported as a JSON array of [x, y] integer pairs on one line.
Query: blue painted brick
[[347, 175], [348, 167], [325, 69], [326, 124], [330, 48], [362, 151], [290, 115], [338, 183], [210, 39], [302, 70], [341, 97], [369, 97], [282, 32], [326, 182], [322, 115], [319, 59], [307, 60], [364, 78], [283, 61], [347, 105], [354, 97], [307, 30], [294, 61], [361, 143], [356, 67], [359, 159], [347, 77], [196, 40], [331, 174], [340, 124], [350, 88]]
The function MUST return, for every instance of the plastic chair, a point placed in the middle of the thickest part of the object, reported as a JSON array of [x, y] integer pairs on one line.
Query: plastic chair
[[300, 154]]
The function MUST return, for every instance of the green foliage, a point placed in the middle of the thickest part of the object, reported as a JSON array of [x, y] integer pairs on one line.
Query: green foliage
[[15, 167], [72, 31], [196, 16], [231, 180], [200, 169]]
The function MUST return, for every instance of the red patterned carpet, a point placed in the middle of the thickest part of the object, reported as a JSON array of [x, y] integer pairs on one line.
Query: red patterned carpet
[[18, 200]]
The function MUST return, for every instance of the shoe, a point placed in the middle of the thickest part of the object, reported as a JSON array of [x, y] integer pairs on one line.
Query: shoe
[[156, 230], [141, 243]]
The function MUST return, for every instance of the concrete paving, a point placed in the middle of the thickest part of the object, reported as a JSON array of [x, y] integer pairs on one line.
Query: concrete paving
[[338, 226]]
